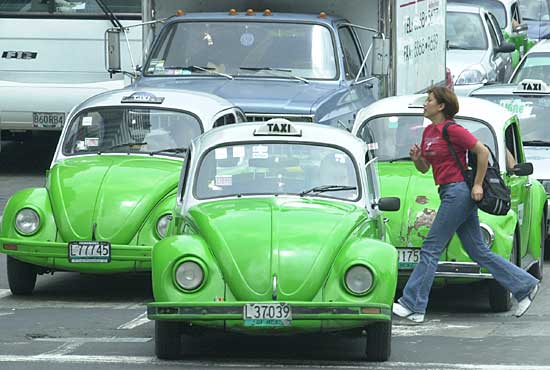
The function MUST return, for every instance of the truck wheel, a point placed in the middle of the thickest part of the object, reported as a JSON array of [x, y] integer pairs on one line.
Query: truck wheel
[[167, 340], [21, 276], [500, 299], [379, 341]]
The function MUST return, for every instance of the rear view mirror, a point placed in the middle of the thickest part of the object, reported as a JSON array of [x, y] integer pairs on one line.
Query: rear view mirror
[[506, 47], [112, 50], [523, 169], [388, 204]]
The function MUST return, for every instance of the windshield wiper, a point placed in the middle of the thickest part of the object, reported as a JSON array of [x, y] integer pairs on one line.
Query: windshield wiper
[[169, 150], [407, 158], [125, 144], [325, 188], [275, 70], [536, 143], [210, 70]]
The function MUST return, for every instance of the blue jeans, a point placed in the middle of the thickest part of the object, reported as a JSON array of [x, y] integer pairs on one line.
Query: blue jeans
[[458, 213]]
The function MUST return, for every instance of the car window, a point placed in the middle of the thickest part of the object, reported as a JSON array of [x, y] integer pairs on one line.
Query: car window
[[496, 29], [516, 17], [534, 66], [275, 168], [130, 130], [492, 32], [534, 9], [511, 139], [352, 56], [466, 31], [395, 134], [493, 6]]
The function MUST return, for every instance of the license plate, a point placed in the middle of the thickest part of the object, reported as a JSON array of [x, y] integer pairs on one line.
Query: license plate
[[84, 251], [408, 257], [42, 119], [267, 314]]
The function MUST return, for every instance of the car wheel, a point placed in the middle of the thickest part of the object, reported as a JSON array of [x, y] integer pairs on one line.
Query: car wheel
[[537, 269], [21, 276], [167, 340], [500, 299], [379, 341]]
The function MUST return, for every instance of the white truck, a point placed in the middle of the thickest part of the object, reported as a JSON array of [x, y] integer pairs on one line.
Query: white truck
[[318, 61]]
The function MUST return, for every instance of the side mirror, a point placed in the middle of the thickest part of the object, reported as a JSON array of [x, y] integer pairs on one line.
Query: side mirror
[[112, 50], [521, 27], [506, 47], [380, 56], [523, 169], [388, 204]]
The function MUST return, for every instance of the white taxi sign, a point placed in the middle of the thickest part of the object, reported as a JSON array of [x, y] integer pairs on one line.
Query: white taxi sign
[[532, 86], [277, 127]]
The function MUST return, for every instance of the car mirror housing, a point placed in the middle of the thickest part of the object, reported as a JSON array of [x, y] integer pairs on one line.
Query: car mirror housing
[[523, 169], [388, 204], [506, 47], [521, 27]]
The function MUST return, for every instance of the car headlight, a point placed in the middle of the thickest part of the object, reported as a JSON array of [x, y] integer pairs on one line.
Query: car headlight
[[27, 221], [472, 76], [358, 279], [488, 234], [162, 225], [189, 275]]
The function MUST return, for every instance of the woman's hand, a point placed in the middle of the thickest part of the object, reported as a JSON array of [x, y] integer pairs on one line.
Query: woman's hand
[[477, 192], [415, 152]]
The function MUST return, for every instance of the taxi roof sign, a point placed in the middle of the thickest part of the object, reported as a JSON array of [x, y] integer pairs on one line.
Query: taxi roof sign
[[532, 86], [143, 97], [277, 127]]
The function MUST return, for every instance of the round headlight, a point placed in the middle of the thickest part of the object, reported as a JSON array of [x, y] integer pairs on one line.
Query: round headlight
[[189, 275], [359, 279], [162, 225], [487, 234], [27, 221]]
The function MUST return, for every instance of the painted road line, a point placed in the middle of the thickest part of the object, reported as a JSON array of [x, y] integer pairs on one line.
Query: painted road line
[[63, 349], [143, 360], [93, 340], [140, 320], [4, 293]]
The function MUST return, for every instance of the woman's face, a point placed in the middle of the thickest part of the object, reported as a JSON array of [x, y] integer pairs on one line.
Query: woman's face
[[432, 107]]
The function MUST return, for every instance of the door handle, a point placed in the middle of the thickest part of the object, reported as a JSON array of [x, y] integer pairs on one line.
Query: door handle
[[528, 185]]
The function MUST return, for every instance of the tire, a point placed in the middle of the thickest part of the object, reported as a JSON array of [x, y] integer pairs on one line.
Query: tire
[[21, 276], [167, 340], [379, 341], [500, 299], [538, 269]]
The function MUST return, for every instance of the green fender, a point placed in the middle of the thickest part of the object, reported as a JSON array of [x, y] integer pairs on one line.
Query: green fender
[[538, 197], [379, 257], [168, 254], [36, 199], [147, 234]]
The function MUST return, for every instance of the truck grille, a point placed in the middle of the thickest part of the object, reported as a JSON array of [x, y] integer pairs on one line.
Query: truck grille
[[260, 117]]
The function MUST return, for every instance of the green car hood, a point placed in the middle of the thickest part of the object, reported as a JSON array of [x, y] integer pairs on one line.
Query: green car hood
[[419, 202], [114, 193], [294, 239]]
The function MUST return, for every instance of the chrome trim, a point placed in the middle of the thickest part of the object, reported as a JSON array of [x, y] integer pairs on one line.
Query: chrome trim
[[490, 231], [274, 288], [456, 270]]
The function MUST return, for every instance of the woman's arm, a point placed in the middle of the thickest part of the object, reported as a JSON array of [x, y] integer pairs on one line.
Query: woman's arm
[[482, 155], [420, 163]]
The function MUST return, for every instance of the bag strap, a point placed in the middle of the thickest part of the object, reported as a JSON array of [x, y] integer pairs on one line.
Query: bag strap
[[448, 140]]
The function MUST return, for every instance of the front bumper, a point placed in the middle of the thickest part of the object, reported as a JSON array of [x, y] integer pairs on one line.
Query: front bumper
[[306, 316], [445, 269], [54, 256]]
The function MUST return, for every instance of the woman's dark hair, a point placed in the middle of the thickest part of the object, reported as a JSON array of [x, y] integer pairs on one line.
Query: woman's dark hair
[[446, 96]]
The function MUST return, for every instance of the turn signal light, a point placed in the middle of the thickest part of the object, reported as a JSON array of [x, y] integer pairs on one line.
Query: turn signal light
[[232, 11], [370, 310], [249, 11], [10, 247], [180, 12], [323, 15], [267, 12]]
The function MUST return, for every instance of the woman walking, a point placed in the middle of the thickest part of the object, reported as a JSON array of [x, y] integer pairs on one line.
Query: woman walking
[[457, 211]]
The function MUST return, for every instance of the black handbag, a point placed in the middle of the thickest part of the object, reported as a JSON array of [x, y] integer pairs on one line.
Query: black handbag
[[496, 195]]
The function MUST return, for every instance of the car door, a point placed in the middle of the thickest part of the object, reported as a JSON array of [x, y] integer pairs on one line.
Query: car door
[[503, 60], [519, 185]]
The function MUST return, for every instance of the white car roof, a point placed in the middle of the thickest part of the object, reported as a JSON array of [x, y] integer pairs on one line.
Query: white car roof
[[483, 109], [543, 46], [464, 8]]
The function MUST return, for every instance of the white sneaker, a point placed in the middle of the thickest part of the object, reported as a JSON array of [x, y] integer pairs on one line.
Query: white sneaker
[[405, 313], [525, 303]]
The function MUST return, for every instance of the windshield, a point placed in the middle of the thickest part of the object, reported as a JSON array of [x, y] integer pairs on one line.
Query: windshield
[[534, 9], [245, 49], [75, 7], [130, 130], [395, 135], [533, 112], [493, 6], [535, 66], [277, 168], [466, 31]]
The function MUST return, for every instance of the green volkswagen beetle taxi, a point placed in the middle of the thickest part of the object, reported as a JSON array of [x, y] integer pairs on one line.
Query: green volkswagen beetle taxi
[[277, 229], [111, 185], [391, 126]]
